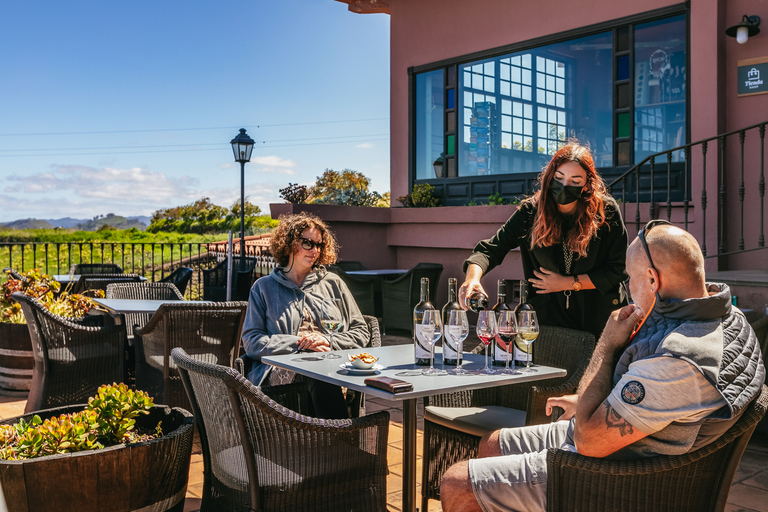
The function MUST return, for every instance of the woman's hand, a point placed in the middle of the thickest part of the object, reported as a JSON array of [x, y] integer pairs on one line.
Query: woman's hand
[[470, 284], [314, 342], [547, 281]]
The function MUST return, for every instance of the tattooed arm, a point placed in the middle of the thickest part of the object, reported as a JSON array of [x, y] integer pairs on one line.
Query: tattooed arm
[[598, 429]]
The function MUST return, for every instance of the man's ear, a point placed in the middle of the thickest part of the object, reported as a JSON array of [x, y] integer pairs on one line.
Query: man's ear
[[653, 278]]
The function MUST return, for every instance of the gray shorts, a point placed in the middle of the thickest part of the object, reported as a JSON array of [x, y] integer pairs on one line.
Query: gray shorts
[[517, 480]]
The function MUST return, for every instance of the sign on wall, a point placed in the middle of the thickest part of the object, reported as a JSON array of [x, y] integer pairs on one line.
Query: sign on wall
[[753, 76]]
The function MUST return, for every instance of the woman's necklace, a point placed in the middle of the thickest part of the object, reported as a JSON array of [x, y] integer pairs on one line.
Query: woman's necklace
[[568, 257]]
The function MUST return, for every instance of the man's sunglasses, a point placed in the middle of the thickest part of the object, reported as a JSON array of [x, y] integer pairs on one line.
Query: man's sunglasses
[[644, 243], [308, 244]]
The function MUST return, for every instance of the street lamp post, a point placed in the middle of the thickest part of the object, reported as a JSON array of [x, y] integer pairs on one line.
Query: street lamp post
[[242, 146]]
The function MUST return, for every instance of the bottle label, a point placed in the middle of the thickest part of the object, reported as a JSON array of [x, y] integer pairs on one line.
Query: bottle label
[[520, 355], [451, 341], [500, 354], [422, 347]]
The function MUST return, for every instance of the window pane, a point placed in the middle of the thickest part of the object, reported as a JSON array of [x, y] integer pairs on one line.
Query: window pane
[[429, 122], [622, 68], [451, 98], [659, 87]]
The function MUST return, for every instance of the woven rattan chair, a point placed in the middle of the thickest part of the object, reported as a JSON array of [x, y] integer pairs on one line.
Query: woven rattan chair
[[695, 482], [209, 332], [13, 274], [71, 361], [215, 279], [95, 268], [145, 291], [360, 287], [179, 277], [261, 456], [88, 282], [399, 296], [454, 423]]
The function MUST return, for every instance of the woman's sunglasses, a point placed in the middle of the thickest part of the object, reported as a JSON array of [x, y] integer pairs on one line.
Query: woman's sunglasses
[[308, 244]]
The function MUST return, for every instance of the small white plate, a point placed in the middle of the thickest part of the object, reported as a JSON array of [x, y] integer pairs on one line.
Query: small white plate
[[361, 371]]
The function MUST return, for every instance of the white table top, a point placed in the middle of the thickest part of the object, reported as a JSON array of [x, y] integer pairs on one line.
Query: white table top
[[398, 362], [138, 305], [66, 278], [380, 272]]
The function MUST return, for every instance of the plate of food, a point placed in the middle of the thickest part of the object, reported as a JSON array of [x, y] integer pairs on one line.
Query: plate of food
[[361, 371], [362, 364]]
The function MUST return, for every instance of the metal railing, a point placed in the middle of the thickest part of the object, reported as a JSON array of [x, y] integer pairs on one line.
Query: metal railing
[[151, 260], [638, 185]]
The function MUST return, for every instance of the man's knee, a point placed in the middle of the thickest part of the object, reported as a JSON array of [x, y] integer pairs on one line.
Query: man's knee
[[489, 445], [456, 493]]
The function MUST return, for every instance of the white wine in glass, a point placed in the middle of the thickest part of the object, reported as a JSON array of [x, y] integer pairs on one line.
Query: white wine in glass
[[331, 320], [528, 331]]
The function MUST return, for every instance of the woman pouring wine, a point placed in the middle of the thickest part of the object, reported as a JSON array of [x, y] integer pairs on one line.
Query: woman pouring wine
[[572, 241]]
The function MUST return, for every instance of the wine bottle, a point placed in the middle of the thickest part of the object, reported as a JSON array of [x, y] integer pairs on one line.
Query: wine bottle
[[498, 353], [422, 348], [477, 301], [521, 350], [450, 354]]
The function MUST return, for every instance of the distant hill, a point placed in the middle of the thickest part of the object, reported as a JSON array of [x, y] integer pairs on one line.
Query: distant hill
[[66, 222], [28, 224], [112, 220]]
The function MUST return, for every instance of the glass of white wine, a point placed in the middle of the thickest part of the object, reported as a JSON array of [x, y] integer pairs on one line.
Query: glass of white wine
[[332, 321], [528, 330], [456, 332]]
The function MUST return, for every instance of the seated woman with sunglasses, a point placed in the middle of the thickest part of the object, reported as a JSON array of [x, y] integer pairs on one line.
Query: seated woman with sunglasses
[[572, 242], [285, 307]]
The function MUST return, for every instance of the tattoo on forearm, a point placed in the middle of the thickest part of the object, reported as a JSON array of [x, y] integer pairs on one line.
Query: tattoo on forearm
[[614, 420]]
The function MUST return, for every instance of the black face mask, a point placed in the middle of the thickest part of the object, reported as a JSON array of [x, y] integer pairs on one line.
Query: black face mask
[[562, 194]]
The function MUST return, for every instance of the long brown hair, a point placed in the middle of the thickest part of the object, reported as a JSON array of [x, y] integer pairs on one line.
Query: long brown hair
[[287, 237], [589, 214]]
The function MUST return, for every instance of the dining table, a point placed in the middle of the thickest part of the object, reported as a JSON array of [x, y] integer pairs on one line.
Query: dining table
[[127, 306], [66, 279], [398, 362]]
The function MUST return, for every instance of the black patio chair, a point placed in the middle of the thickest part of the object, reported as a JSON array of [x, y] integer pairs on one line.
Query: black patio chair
[[71, 360], [89, 282], [259, 455], [350, 265], [139, 291], [361, 288], [95, 268], [180, 278], [215, 279], [399, 296]]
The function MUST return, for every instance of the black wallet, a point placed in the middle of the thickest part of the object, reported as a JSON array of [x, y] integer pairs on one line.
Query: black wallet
[[389, 384]]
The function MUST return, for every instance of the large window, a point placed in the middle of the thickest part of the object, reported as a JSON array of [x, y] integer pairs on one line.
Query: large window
[[621, 90]]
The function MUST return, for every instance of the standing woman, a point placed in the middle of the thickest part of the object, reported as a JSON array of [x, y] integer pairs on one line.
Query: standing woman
[[573, 244], [284, 308]]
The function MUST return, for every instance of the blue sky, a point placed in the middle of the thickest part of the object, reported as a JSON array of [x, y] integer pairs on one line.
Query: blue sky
[[129, 107]]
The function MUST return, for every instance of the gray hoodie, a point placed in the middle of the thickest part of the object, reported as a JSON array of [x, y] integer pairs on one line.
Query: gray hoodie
[[275, 310]]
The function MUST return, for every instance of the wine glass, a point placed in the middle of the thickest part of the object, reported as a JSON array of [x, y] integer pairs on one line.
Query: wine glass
[[528, 330], [486, 330], [506, 335], [432, 330], [456, 332], [332, 321]]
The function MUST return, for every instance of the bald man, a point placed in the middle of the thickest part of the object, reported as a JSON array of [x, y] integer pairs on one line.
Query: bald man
[[688, 365]]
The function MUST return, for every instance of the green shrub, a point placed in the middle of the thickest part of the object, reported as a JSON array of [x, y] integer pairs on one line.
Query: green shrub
[[422, 196], [107, 420]]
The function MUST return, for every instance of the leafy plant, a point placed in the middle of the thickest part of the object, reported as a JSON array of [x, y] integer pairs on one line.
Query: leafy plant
[[422, 196], [107, 420], [496, 199], [346, 188], [295, 193], [43, 288]]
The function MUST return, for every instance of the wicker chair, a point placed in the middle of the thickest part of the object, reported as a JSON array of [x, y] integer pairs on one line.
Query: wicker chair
[[215, 279], [142, 290], [88, 282], [452, 433], [180, 278], [71, 361], [400, 295], [95, 268], [210, 332], [259, 456], [13, 274], [360, 287], [695, 482]]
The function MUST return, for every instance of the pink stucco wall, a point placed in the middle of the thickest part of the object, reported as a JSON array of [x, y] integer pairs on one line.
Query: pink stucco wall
[[432, 30]]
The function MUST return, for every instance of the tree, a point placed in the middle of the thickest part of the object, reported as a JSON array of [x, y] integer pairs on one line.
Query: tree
[[203, 216], [347, 188]]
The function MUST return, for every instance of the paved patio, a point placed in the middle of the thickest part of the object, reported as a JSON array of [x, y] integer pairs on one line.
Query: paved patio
[[749, 492]]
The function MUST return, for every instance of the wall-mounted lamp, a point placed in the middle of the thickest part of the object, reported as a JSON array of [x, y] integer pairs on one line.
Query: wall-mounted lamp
[[749, 27]]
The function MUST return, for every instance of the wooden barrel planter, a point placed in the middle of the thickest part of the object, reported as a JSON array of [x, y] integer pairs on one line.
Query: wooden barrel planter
[[149, 476], [15, 357]]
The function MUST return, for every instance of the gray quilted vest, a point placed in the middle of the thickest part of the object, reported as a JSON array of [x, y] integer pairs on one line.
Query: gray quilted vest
[[716, 339]]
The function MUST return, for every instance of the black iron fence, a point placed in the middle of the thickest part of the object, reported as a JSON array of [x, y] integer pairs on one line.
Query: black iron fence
[[662, 184], [151, 260]]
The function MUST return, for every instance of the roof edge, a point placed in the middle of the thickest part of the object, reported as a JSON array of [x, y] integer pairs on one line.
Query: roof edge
[[367, 6]]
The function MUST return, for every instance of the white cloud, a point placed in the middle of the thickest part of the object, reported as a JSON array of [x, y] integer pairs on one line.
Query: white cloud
[[365, 145]]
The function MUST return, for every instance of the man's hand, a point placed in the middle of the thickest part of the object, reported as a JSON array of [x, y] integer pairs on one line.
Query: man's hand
[[620, 325], [567, 403], [314, 342]]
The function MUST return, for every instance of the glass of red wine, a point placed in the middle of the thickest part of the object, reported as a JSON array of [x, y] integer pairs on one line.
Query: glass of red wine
[[506, 336], [486, 330]]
